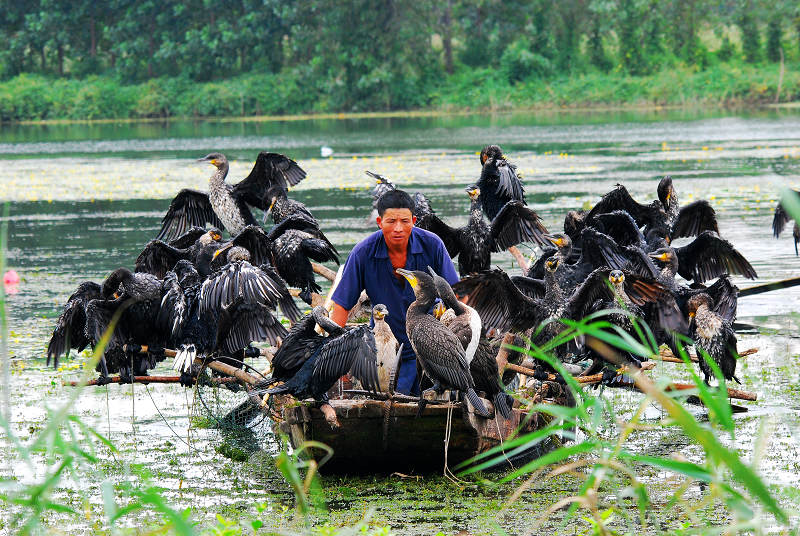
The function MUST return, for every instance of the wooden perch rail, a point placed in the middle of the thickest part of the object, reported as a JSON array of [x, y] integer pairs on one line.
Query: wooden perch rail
[[665, 354], [597, 378]]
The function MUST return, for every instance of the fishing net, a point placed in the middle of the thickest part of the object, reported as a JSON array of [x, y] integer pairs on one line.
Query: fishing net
[[239, 425]]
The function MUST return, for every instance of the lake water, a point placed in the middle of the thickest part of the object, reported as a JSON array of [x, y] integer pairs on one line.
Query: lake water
[[84, 199]]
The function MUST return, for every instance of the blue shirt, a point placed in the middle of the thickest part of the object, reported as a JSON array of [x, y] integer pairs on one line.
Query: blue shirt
[[368, 268]]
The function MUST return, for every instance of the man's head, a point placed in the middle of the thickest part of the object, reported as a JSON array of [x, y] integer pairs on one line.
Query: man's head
[[396, 217]]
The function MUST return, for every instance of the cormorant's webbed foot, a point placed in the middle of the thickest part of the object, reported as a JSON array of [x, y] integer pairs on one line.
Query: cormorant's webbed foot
[[103, 379], [125, 375], [421, 406]]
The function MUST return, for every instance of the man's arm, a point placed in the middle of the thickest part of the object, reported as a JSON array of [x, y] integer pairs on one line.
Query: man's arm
[[339, 314]]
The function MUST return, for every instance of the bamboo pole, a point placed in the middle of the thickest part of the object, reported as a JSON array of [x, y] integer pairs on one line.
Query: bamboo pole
[[597, 378], [665, 354], [143, 379], [324, 271], [520, 258]]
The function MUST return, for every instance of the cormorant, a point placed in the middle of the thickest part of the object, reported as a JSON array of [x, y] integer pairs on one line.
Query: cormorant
[[475, 242], [136, 297], [690, 220], [225, 206], [422, 205], [780, 220], [499, 181], [197, 245], [706, 257], [438, 349], [70, 330], [465, 322], [387, 349], [345, 350], [714, 335]]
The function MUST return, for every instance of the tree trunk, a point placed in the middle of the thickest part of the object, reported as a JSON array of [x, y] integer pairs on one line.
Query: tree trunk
[[150, 50], [92, 37], [447, 36], [60, 50], [41, 54]]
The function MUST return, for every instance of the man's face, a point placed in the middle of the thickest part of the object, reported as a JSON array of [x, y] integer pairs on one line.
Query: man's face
[[396, 224]]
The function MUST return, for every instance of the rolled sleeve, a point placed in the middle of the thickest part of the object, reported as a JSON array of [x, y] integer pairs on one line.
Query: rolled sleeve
[[351, 283]]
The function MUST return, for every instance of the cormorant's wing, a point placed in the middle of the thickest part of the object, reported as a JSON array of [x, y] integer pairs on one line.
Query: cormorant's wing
[[257, 242], [695, 218], [270, 169], [286, 302], [174, 310], [190, 208], [449, 236], [599, 247], [780, 220], [188, 238], [241, 323], [442, 353], [620, 199], [353, 351], [298, 222], [500, 304], [620, 226], [516, 223], [298, 345], [640, 290], [70, 330], [320, 250], [508, 182], [725, 295], [709, 256], [158, 258], [533, 288], [239, 279]]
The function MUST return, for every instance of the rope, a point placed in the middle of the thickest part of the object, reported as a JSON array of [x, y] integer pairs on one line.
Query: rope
[[446, 472], [146, 388]]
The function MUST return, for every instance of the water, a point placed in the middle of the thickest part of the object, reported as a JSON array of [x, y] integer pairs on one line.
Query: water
[[84, 199]]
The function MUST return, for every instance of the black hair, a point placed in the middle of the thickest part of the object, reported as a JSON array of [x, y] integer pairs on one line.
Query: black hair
[[394, 199]]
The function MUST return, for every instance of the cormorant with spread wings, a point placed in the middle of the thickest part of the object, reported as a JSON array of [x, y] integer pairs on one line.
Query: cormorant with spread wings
[[225, 206]]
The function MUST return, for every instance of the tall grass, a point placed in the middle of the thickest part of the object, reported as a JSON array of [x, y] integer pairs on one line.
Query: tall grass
[[599, 452]]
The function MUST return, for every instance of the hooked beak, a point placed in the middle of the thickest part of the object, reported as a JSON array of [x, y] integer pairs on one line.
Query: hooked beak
[[691, 316], [663, 257], [410, 277], [558, 242], [222, 249], [438, 310]]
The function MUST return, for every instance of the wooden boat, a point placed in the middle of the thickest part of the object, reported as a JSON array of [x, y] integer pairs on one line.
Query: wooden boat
[[387, 436]]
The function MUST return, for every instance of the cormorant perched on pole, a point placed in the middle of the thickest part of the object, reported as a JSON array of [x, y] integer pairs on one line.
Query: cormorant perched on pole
[[226, 206], [438, 349]]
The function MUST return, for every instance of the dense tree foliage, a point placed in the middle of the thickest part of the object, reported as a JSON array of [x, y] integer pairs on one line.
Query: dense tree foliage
[[351, 55]]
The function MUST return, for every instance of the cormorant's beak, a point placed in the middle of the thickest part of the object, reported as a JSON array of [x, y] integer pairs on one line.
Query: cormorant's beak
[[473, 193], [374, 175], [226, 247], [691, 315], [116, 295], [272, 204], [410, 277], [438, 310], [557, 241], [668, 240], [663, 257]]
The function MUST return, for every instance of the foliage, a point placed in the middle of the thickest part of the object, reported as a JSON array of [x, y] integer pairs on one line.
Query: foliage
[[254, 57]]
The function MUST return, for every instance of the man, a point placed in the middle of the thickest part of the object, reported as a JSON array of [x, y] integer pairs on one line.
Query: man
[[371, 267]]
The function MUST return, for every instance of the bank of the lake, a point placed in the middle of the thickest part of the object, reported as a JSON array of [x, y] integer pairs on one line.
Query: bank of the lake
[[285, 95]]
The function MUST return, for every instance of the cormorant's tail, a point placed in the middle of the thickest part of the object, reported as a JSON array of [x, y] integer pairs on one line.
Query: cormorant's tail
[[477, 403], [502, 404]]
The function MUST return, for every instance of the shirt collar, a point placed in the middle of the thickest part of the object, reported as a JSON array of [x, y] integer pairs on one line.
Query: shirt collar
[[414, 245]]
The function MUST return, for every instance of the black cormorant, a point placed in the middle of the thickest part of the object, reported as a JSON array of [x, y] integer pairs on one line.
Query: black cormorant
[[475, 242], [196, 245], [345, 350], [438, 349], [70, 330], [706, 257], [499, 181], [714, 335]]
